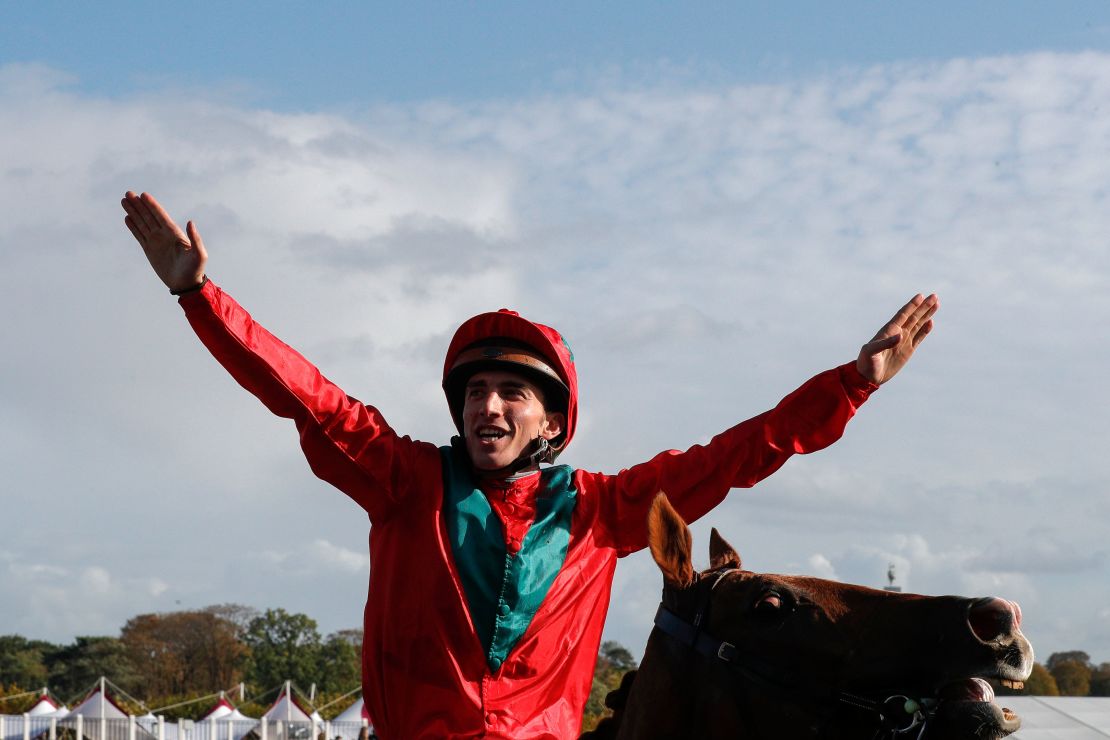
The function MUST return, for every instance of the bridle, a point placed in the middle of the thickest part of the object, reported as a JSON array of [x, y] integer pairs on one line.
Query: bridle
[[898, 716]]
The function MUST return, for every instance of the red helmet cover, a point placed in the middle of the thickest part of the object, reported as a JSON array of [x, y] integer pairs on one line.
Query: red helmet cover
[[511, 325]]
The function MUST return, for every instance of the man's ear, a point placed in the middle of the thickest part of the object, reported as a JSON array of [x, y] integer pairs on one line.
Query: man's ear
[[556, 422]]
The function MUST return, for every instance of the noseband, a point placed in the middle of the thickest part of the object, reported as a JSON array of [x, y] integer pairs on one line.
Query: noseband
[[898, 716]]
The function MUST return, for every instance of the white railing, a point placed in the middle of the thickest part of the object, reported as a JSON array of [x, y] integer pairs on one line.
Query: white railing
[[26, 727]]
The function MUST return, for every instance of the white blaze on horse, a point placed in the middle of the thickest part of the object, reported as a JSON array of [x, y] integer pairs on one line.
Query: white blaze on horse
[[736, 654]]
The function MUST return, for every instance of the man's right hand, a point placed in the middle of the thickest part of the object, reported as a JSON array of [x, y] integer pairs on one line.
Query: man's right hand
[[178, 257]]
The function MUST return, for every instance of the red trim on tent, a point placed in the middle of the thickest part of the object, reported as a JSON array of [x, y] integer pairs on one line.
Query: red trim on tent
[[223, 702], [292, 698]]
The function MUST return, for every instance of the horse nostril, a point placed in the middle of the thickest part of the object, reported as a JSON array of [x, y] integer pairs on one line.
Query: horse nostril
[[993, 618], [1017, 613]]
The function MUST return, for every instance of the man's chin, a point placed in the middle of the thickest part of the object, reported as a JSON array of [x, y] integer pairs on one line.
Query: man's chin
[[487, 462]]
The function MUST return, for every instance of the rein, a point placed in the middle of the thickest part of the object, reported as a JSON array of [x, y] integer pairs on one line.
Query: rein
[[899, 717]]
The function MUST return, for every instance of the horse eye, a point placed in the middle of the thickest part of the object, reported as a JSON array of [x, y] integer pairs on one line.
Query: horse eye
[[768, 603]]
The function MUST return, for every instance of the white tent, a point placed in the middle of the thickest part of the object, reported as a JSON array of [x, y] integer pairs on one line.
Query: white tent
[[100, 717], [46, 707], [97, 705], [224, 722], [354, 713], [286, 708], [222, 710]]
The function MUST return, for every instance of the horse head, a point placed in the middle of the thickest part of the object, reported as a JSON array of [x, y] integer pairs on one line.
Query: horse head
[[742, 654]]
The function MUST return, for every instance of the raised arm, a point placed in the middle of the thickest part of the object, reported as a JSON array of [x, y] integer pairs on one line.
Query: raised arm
[[809, 419], [347, 443]]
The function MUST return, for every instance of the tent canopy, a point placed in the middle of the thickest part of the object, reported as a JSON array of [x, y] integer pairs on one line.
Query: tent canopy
[[354, 713], [97, 705], [46, 706], [286, 708]]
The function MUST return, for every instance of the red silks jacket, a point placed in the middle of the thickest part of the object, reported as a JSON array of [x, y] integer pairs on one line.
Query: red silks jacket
[[427, 672]]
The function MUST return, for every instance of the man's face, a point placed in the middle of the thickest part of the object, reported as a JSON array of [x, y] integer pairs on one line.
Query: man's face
[[502, 413]]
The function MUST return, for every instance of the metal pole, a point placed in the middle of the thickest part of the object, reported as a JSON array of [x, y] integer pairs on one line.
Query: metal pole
[[103, 710]]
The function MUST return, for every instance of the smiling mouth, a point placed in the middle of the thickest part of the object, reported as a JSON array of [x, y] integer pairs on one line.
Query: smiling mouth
[[491, 434]]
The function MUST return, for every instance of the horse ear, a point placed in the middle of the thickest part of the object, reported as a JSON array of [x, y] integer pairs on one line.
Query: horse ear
[[670, 542], [721, 554]]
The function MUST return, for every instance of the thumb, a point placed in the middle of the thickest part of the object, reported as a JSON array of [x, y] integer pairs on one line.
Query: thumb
[[876, 346], [197, 242]]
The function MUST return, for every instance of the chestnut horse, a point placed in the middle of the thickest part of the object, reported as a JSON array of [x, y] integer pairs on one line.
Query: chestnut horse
[[736, 654]]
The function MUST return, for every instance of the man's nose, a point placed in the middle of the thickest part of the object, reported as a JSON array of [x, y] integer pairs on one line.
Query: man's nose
[[492, 405]]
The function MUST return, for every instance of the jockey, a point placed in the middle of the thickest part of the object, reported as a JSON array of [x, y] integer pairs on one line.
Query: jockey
[[490, 567]]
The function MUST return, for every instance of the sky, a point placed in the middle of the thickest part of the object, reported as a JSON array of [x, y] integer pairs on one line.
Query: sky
[[712, 203]]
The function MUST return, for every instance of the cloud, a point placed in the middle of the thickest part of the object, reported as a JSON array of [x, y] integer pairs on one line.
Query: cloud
[[313, 559], [821, 567], [42, 597]]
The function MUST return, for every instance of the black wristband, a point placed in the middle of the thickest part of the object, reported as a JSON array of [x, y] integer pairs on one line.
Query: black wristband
[[198, 286]]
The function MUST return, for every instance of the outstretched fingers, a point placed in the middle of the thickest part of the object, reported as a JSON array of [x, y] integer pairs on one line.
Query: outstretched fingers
[[922, 333], [906, 312], [921, 317], [136, 232], [157, 213], [137, 212]]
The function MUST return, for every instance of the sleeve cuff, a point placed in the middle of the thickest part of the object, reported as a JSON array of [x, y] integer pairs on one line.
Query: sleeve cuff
[[206, 289], [859, 388]]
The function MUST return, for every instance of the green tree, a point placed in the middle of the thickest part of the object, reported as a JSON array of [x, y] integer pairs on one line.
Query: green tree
[[1068, 656], [23, 661], [1041, 682], [74, 668], [1100, 680], [341, 662], [613, 661], [282, 646], [1072, 677]]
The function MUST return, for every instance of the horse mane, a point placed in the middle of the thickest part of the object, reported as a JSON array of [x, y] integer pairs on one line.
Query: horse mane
[[615, 700]]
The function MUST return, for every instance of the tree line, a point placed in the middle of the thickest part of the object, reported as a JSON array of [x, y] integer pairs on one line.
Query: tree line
[[161, 659], [1068, 673]]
